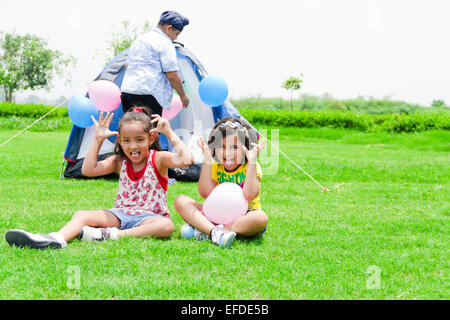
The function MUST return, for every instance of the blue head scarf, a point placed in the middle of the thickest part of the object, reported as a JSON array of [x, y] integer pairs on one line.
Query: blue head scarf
[[174, 18]]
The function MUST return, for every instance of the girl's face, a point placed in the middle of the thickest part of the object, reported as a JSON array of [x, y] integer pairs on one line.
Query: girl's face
[[135, 141], [230, 153]]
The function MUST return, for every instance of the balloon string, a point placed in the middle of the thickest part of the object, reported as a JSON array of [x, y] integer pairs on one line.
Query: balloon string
[[295, 164], [23, 130]]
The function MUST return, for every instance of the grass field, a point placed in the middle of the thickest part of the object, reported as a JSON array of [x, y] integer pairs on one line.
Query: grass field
[[382, 232]]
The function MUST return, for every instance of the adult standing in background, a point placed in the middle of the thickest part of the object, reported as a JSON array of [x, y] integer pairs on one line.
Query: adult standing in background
[[152, 69]]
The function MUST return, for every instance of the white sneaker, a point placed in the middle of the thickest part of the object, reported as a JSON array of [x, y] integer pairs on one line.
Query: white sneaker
[[187, 232], [22, 239], [97, 234], [222, 237]]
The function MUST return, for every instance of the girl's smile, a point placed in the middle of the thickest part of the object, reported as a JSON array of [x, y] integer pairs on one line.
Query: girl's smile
[[230, 153]]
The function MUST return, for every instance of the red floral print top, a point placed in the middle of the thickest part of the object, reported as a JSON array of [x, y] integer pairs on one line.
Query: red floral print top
[[144, 191]]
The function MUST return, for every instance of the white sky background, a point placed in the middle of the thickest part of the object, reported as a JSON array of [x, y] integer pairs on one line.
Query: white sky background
[[395, 48]]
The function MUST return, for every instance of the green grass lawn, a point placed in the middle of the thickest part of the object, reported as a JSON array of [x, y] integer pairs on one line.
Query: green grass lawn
[[382, 232]]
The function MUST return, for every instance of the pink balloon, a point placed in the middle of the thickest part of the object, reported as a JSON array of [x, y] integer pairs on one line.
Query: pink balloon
[[105, 94], [175, 106], [225, 203]]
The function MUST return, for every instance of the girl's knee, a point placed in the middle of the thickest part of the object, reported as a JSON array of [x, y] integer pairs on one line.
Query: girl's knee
[[178, 200], [181, 202], [261, 219], [264, 218], [81, 215], [93, 218], [167, 227]]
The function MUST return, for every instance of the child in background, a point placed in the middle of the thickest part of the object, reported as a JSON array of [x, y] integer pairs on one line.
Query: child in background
[[227, 158], [140, 208]]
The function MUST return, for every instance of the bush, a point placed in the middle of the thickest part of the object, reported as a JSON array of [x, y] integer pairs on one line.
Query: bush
[[416, 122], [336, 119], [31, 110], [327, 103], [17, 116]]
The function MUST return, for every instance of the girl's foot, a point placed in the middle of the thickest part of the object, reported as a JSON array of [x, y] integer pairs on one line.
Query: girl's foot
[[98, 234], [22, 239], [187, 232], [222, 237]]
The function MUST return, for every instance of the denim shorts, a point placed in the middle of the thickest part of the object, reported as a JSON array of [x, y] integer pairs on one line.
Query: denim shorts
[[128, 221]]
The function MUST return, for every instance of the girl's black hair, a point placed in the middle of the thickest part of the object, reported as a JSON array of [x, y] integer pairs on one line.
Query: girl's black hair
[[137, 113], [228, 126]]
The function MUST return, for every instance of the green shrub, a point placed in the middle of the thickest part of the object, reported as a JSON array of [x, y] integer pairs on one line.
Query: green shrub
[[415, 122], [327, 103], [31, 110], [397, 122], [18, 116]]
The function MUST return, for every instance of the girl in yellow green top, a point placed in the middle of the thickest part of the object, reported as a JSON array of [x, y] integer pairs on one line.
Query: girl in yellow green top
[[229, 156]]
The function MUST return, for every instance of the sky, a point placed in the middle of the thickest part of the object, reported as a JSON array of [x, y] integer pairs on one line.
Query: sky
[[398, 49]]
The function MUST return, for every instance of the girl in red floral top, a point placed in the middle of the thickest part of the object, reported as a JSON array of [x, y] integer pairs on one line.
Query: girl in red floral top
[[140, 208]]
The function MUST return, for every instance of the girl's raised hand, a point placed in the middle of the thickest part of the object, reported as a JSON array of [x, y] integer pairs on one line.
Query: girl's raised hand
[[252, 154], [163, 125], [207, 155], [102, 126]]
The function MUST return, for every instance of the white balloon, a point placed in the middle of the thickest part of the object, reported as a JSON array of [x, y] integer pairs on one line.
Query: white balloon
[[225, 203]]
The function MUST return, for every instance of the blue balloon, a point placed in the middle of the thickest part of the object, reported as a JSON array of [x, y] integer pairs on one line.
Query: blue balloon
[[80, 111], [213, 90]]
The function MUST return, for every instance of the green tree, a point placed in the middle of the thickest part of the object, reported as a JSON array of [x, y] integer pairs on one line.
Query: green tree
[[292, 84], [122, 36], [437, 103], [26, 62]]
